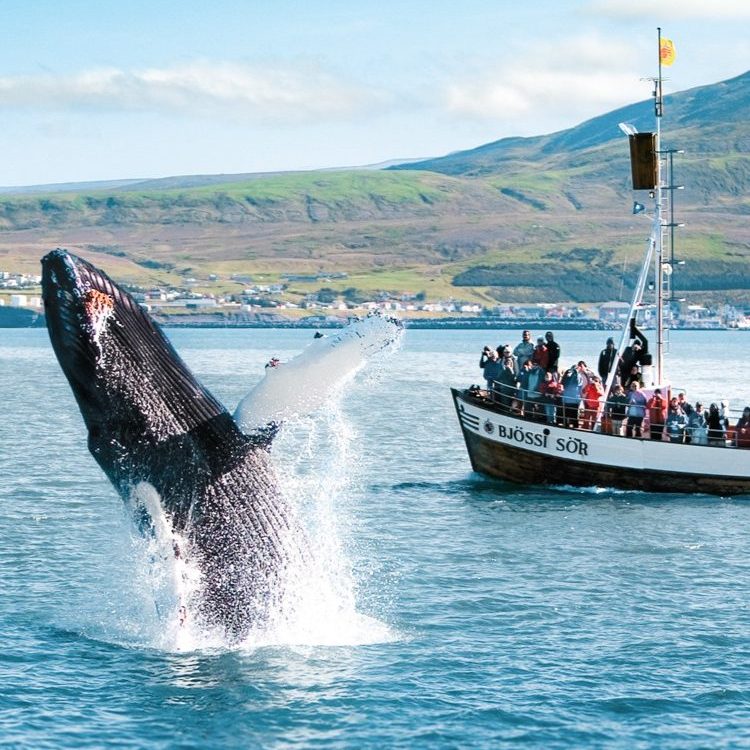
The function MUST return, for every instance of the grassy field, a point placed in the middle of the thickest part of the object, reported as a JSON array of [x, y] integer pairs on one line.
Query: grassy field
[[398, 232]]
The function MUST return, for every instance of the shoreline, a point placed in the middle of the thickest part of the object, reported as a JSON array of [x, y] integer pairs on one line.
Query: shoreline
[[27, 318]]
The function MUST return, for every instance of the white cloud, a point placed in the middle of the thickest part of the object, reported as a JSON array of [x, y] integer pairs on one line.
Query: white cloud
[[553, 86], [545, 94], [282, 94], [718, 10]]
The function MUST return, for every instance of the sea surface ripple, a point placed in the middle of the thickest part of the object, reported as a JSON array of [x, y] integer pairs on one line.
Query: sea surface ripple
[[491, 615]]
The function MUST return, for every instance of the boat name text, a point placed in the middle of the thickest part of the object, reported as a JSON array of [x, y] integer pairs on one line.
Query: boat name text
[[573, 445]]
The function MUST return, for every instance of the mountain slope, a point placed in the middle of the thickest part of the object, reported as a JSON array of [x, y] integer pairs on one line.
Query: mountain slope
[[518, 219], [717, 111]]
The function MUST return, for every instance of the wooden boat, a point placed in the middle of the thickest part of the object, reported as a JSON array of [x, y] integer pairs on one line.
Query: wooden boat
[[502, 443]]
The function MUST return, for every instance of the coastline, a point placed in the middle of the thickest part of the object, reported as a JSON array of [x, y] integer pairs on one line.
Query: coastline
[[15, 317]]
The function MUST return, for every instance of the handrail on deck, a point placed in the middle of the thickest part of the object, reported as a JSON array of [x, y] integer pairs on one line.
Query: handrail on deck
[[510, 400]]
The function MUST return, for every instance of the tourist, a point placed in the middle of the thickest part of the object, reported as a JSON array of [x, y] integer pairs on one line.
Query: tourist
[[633, 355], [529, 382], [616, 409], [587, 375], [551, 390], [636, 411], [697, 432], [506, 382], [491, 366], [742, 430], [572, 383], [592, 393], [716, 426], [633, 376], [607, 359], [541, 354], [524, 350], [676, 422], [656, 415], [553, 350], [509, 361]]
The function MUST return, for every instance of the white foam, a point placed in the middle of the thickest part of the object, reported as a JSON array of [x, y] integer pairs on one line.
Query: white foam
[[173, 580], [320, 605], [316, 461]]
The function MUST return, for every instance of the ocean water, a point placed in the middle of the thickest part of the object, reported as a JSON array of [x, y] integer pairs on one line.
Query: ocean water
[[451, 611]]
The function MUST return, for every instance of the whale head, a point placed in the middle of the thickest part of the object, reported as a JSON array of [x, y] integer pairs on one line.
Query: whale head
[[118, 362], [132, 388]]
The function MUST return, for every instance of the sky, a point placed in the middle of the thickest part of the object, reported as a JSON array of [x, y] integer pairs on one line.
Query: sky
[[104, 90]]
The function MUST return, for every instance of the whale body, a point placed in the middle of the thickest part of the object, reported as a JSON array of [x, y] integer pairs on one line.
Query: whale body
[[160, 436]]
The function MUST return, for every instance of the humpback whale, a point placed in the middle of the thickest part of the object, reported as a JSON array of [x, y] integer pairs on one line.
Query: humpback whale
[[161, 437]]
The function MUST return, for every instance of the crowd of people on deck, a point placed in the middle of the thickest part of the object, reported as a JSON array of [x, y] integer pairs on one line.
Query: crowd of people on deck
[[527, 381]]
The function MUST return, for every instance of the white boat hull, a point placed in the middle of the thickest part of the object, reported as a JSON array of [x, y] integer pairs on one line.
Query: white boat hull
[[512, 448]]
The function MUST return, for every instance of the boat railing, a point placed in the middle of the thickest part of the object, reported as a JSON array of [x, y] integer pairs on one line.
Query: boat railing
[[608, 417]]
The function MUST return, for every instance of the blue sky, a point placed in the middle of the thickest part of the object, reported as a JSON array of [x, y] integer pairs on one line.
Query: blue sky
[[110, 90]]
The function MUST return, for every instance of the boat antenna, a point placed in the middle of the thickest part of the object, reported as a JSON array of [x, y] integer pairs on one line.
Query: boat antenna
[[658, 92]]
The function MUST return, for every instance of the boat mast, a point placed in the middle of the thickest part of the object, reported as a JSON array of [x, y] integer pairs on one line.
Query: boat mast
[[647, 166], [658, 232]]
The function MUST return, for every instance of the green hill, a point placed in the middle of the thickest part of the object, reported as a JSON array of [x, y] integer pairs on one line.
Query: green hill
[[544, 218]]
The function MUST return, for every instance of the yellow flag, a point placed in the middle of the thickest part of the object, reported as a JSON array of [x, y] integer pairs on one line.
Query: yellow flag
[[667, 51]]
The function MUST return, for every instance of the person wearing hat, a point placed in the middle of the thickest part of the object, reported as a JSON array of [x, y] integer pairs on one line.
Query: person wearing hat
[[507, 358], [541, 355], [524, 350], [717, 426], [607, 359], [697, 432]]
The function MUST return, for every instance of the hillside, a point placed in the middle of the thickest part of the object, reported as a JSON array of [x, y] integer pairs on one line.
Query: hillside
[[543, 218]]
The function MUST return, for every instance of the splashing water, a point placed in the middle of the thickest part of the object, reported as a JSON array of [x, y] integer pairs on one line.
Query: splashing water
[[315, 457], [321, 603]]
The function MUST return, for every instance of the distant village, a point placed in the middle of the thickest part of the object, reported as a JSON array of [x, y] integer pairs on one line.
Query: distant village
[[269, 302]]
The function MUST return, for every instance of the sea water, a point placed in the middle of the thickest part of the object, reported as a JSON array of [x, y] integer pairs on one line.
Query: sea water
[[447, 609]]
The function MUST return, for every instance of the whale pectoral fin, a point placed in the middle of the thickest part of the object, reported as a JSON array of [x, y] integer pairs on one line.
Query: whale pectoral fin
[[304, 383]]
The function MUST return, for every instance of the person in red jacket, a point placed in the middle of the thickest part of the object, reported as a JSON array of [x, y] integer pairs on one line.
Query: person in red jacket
[[592, 393], [541, 355], [657, 414], [551, 390]]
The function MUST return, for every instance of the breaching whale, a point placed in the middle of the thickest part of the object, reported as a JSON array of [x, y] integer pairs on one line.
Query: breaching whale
[[160, 436]]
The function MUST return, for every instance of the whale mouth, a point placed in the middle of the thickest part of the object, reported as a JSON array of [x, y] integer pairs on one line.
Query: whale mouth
[[79, 300], [71, 285]]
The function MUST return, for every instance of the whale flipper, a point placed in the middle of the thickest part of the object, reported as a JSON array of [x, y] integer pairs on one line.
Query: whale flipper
[[304, 383]]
